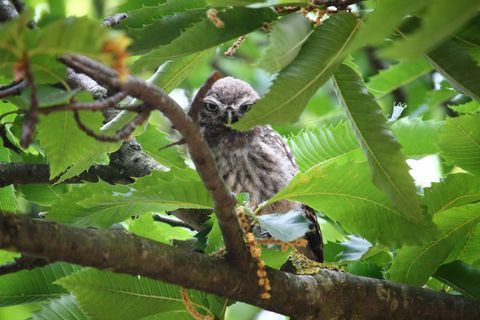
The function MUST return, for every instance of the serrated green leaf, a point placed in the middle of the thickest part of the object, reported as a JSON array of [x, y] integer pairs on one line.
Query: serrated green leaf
[[466, 108], [458, 67], [274, 258], [459, 142], [42, 194], [387, 163], [455, 191], [63, 142], [152, 140], [462, 277], [320, 55], [414, 265], [214, 238], [146, 227], [102, 205], [286, 40], [468, 249], [33, 285], [238, 21], [357, 248], [100, 292], [440, 20], [63, 308], [318, 145], [256, 3], [417, 137], [148, 14], [47, 96], [387, 15], [397, 75], [343, 191], [287, 226]]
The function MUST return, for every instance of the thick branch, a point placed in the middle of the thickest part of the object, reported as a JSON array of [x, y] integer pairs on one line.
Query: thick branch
[[199, 151], [328, 295]]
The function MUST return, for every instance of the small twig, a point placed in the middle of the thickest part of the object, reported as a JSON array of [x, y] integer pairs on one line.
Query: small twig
[[115, 19], [92, 106], [121, 134], [22, 263], [231, 51], [13, 89], [31, 116], [173, 222]]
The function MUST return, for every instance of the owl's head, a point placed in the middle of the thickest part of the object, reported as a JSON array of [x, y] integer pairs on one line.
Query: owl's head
[[226, 102]]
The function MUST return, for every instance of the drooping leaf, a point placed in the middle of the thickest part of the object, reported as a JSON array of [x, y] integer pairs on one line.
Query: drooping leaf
[[462, 277], [214, 238], [63, 308], [417, 137], [390, 172], [458, 67], [102, 205], [468, 249], [286, 40], [63, 142], [315, 146], [100, 292], [434, 29], [387, 15], [285, 226], [34, 285], [414, 265], [152, 140], [397, 75], [343, 191], [295, 85], [357, 248], [237, 21], [459, 142]]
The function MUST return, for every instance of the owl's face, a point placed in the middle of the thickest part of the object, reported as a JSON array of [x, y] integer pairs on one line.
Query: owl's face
[[226, 102]]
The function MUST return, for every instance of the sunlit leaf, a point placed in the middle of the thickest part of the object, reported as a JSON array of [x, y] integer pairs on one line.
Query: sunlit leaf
[[285, 226], [295, 85], [63, 308], [466, 108], [389, 169]]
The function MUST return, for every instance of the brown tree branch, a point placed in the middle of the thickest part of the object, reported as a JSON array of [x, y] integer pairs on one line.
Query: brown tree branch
[[15, 88], [197, 147], [22, 263], [327, 295]]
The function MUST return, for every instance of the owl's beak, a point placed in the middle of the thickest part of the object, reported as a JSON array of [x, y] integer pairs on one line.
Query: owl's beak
[[229, 116]]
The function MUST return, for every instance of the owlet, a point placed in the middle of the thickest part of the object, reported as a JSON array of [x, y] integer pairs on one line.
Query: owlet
[[257, 161]]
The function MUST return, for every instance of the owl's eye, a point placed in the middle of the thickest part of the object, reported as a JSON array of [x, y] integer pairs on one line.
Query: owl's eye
[[210, 107], [245, 107]]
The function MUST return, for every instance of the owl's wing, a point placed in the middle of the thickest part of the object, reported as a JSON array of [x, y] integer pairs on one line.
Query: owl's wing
[[314, 236]]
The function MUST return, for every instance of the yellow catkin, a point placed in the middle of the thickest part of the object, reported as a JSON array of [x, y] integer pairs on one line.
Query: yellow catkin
[[212, 16], [191, 309], [231, 51]]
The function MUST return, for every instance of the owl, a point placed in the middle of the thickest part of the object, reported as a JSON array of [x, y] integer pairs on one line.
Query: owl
[[257, 161]]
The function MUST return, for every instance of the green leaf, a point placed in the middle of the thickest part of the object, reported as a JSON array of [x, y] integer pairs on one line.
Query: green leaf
[[34, 285], [214, 238], [462, 277], [397, 75], [102, 205], [295, 85], [387, 163], [63, 142], [466, 108], [132, 297], [417, 137], [455, 191], [318, 145], [152, 140], [458, 67], [63, 308], [388, 14], [440, 20], [8, 200], [42, 194], [342, 190], [285, 227], [150, 14], [274, 258], [459, 142], [47, 96], [286, 40], [357, 248], [173, 73], [146, 227], [414, 265], [467, 250], [238, 21]]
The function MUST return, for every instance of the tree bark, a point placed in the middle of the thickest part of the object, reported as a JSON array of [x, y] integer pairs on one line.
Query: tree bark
[[327, 295]]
